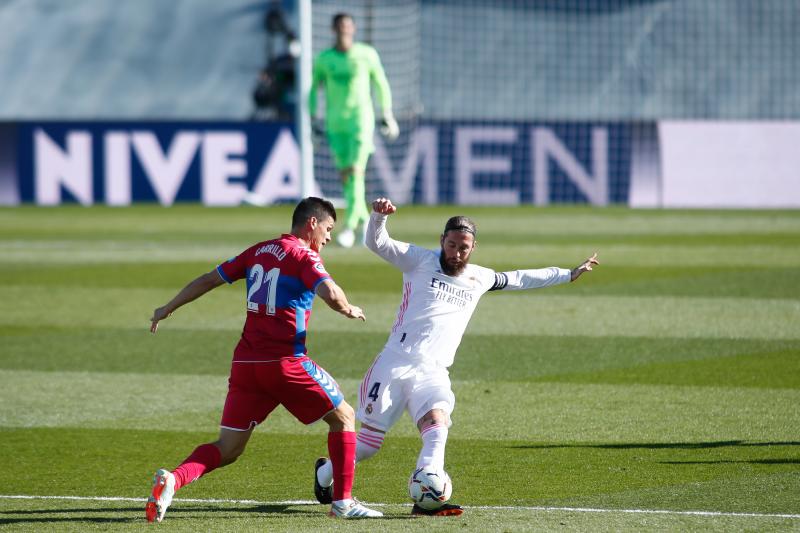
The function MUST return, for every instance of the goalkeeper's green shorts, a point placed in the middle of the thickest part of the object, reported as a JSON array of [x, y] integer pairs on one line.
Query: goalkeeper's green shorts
[[351, 150]]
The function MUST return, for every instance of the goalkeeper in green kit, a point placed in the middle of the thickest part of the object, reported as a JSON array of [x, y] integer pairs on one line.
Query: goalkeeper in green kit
[[347, 71]]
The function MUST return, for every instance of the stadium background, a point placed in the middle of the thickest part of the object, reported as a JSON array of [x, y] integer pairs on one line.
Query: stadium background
[[644, 103], [658, 393]]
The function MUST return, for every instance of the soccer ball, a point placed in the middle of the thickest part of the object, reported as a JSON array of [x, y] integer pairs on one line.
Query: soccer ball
[[429, 487]]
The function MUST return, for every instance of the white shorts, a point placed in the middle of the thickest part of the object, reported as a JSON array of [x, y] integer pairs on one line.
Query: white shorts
[[393, 384]]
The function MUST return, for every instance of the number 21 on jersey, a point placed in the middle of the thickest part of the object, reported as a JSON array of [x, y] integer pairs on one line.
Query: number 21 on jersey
[[256, 280]]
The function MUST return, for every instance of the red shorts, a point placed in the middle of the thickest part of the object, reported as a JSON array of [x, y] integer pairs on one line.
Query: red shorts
[[297, 383]]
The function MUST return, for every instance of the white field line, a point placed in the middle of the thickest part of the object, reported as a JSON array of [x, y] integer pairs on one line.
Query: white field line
[[487, 507]]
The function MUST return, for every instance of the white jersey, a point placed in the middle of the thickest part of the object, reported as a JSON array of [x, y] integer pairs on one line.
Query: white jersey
[[436, 308]]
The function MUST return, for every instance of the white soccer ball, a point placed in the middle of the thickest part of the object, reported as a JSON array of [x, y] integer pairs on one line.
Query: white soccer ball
[[429, 487]]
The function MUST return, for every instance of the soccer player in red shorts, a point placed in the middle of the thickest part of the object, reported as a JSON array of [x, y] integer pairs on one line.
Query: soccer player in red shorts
[[270, 366]]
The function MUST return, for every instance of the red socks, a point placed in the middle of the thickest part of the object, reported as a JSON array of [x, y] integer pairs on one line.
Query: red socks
[[203, 460], [342, 450], [341, 447]]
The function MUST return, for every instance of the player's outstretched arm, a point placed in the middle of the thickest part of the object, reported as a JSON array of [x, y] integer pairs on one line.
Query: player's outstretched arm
[[376, 237], [334, 296], [540, 277], [586, 266], [400, 254], [194, 290]]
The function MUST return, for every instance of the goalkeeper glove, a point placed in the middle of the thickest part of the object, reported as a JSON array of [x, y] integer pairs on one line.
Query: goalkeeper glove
[[389, 127]]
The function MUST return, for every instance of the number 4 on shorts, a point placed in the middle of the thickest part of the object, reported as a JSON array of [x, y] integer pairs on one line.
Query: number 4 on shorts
[[373, 391]]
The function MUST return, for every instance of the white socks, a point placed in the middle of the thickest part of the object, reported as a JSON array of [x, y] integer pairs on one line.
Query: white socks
[[434, 439], [367, 444]]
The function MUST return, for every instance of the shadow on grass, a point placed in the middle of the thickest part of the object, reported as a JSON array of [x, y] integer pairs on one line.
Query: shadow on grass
[[26, 517], [744, 461], [174, 513], [55, 520], [82, 510], [657, 445], [268, 509]]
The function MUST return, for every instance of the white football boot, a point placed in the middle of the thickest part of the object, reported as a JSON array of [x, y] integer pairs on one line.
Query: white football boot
[[354, 509], [346, 238], [161, 497]]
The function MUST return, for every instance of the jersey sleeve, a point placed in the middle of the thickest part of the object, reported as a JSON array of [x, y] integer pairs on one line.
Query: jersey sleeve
[[378, 77], [317, 77], [488, 278], [312, 270], [403, 255], [234, 268], [530, 279]]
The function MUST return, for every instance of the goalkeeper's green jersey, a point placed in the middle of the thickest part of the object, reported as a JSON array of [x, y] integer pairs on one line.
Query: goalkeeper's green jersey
[[347, 77]]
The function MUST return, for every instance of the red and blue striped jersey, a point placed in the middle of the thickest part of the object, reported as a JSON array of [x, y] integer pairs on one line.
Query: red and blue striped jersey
[[282, 276]]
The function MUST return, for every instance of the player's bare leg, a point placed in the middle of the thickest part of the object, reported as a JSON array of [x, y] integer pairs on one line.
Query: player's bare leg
[[231, 444], [205, 458], [433, 430], [342, 450]]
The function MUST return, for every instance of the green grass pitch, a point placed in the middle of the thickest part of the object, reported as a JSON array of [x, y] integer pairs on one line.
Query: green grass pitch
[[660, 392]]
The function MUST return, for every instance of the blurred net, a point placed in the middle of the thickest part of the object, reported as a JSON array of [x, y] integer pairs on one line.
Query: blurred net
[[611, 59], [540, 101]]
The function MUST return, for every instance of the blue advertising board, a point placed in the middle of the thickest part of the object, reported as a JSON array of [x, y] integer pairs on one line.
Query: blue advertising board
[[222, 163]]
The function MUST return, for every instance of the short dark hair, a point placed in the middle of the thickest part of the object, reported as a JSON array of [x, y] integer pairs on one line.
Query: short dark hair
[[312, 207], [337, 18], [462, 224]]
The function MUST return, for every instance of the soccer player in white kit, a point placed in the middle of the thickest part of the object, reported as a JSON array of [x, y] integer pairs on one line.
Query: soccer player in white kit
[[440, 292]]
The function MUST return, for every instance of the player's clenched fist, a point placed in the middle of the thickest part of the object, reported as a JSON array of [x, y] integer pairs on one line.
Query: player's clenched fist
[[383, 206]]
